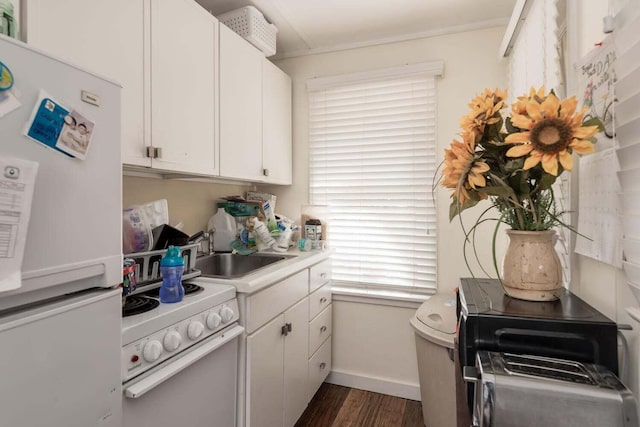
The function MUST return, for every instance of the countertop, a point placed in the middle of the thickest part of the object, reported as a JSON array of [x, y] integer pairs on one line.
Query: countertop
[[263, 278]]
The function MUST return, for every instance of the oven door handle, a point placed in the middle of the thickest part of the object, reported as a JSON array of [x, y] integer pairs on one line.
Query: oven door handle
[[139, 388]]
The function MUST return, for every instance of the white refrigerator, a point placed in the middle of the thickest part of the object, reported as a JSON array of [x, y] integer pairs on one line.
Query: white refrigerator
[[60, 320]]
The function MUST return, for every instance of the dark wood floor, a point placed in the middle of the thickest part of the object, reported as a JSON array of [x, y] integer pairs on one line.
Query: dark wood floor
[[337, 406]]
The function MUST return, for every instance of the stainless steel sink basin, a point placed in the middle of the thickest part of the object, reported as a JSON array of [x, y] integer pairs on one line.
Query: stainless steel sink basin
[[231, 266]]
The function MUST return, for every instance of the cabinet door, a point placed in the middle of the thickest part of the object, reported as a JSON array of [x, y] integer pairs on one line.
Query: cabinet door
[[240, 107], [276, 124], [105, 37], [265, 355], [296, 365], [183, 67]]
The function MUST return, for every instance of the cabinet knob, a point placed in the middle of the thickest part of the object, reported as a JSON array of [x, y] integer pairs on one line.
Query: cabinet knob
[[323, 300], [322, 366], [286, 328], [323, 275], [323, 329], [265, 172]]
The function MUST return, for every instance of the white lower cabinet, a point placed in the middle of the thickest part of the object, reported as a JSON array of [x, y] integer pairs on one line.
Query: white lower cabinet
[[288, 347], [277, 389], [296, 344]]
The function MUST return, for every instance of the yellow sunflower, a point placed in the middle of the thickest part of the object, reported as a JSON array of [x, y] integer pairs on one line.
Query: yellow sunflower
[[552, 130], [462, 170], [520, 106], [485, 110]]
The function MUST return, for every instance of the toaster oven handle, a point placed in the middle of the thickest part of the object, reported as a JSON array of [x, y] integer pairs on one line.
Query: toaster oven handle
[[470, 374]]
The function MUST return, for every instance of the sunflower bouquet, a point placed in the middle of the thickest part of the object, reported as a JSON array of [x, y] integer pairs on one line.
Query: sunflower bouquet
[[514, 160]]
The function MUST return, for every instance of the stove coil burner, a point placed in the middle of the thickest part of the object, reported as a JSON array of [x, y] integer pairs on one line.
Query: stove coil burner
[[189, 289], [136, 304]]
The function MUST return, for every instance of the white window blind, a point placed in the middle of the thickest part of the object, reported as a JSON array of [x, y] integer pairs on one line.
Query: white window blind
[[372, 159]]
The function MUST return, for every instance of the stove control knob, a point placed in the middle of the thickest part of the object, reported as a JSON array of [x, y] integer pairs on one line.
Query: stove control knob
[[152, 351], [172, 340], [213, 320], [226, 313], [195, 329]]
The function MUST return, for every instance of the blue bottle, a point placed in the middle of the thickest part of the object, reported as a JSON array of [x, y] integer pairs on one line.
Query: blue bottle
[[171, 269]]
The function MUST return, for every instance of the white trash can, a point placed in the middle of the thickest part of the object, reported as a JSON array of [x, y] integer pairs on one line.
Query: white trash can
[[435, 327]]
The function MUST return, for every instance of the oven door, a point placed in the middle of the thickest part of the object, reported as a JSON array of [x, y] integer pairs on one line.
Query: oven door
[[192, 389]]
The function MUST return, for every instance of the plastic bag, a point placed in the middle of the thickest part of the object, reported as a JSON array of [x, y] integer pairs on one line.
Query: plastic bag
[[136, 231]]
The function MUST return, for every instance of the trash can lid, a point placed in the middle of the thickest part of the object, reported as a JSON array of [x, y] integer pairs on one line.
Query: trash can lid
[[438, 315]]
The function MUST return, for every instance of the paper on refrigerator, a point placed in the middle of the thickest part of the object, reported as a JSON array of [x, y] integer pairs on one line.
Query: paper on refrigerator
[[17, 181]]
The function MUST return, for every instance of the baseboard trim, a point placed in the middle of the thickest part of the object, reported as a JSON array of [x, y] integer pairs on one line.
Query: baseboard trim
[[377, 385]]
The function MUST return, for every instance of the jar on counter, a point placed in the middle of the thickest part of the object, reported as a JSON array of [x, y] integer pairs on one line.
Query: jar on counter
[[313, 232]]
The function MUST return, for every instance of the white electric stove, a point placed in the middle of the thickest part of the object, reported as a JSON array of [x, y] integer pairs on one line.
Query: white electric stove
[[174, 354]]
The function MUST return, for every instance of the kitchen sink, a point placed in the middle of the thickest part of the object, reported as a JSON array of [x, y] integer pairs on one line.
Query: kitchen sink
[[231, 266]]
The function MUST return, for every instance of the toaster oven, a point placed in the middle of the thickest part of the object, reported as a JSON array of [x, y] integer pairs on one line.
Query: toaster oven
[[567, 328], [515, 390]]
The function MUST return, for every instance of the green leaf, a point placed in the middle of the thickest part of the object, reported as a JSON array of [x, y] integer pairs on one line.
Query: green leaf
[[519, 181], [456, 209], [498, 191], [510, 127], [513, 165], [546, 181], [594, 121]]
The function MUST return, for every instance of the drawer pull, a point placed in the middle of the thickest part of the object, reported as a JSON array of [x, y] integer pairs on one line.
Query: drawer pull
[[323, 329], [323, 300], [322, 366]]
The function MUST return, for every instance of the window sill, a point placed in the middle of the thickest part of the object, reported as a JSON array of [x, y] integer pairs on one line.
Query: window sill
[[378, 296]]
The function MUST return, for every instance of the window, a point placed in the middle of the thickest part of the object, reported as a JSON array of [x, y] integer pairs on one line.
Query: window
[[536, 60], [372, 160]]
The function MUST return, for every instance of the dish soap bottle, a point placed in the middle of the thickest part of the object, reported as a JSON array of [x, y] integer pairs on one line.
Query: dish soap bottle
[[171, 269]]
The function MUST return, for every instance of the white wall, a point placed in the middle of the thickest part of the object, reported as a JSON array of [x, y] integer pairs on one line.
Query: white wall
[[373, 344], [471, 65], [602, 285], [191, 203]]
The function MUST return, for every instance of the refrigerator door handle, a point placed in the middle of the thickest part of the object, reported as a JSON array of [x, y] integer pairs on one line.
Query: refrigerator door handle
[[148, 383]]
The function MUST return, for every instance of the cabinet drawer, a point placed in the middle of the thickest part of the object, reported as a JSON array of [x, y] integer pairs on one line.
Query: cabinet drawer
[[319, 275], [319, 300], [319, 367], [319, 330], [267, 304]]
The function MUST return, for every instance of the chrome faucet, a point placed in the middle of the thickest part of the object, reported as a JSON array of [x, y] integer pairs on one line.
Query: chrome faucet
[[205, 242], [209, 235]]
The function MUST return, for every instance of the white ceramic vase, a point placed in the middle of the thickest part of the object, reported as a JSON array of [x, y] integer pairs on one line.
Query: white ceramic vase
[[531, 268]]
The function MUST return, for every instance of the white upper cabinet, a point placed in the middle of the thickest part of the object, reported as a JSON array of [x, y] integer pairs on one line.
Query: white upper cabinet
[[276, 124], [197, 98], [240, 107], [255, 114], [183, 86], [77, 31], [168, 74]]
